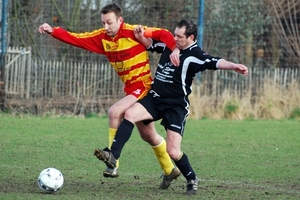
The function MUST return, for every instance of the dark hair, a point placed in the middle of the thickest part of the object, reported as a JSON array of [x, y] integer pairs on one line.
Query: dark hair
[[112, 7], [191, 28]]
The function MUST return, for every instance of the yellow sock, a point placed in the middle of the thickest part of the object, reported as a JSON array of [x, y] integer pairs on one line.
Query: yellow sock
[[111, 135], [163, 157]]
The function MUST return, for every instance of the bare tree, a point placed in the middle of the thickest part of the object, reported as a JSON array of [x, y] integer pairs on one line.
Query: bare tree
[[233, 28], [286, 26]]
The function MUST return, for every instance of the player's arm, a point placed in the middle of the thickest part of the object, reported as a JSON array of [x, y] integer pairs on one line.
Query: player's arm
[[166, 37], [162, 35], [151, 45], [139, 35], [211, 62], [156, 45], [227, 65], [90, 40]]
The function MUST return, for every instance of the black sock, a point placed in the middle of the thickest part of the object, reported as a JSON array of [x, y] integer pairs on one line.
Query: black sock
[[185, 167], [122, 136]]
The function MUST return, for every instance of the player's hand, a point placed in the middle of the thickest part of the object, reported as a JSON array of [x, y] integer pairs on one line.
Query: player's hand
[[174, 57], [241, 69], [139, 32], [45, 28]]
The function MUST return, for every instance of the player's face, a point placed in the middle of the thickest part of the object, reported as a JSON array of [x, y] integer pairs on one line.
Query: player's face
[[181, 40], [111, 23]]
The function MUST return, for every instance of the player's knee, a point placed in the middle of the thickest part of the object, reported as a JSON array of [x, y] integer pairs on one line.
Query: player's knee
[[130, 115], [114, 113], [145, 137], [149, 138], [173, 153]]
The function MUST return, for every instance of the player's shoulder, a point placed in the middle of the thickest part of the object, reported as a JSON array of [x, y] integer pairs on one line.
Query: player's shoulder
[[129, 27], [195, 49], [94, 33], [197, 52], [98, 31]]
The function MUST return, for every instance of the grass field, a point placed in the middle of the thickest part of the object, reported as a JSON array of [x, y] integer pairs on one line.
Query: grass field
[[233, 159]]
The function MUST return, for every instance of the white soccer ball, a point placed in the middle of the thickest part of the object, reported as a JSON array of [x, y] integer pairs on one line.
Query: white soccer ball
[[50, 180]]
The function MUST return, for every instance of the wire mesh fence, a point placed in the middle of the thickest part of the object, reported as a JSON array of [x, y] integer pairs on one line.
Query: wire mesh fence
[[260, 33]]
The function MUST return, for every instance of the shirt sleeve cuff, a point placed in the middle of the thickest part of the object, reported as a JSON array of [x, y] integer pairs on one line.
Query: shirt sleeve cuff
[[148, 32]]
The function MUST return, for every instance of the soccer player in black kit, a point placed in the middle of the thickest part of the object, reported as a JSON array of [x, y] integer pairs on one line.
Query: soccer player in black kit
[[168, 97]]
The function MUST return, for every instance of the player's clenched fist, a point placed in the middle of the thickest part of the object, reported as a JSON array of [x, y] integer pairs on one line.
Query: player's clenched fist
[[45, 28]]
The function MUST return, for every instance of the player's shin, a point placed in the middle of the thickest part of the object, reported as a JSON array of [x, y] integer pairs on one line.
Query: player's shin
[[185, 167], [111, 135], [122, 136], [163, 157]]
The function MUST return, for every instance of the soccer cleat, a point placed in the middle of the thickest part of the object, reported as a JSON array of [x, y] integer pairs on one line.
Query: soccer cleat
[[192, 186], [167, 179], [111, 172], [106, 156]]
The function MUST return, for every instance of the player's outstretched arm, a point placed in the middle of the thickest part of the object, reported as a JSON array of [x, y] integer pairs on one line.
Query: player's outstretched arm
[[227, 65]]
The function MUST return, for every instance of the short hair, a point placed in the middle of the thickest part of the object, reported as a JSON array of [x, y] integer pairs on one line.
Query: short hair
[[190, 28], [112, 7]]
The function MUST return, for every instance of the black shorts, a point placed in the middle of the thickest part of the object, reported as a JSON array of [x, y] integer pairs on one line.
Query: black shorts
[[172, 111]]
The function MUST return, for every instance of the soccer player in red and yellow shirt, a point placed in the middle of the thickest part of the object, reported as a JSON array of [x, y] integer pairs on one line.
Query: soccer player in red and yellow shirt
[[130, 60]]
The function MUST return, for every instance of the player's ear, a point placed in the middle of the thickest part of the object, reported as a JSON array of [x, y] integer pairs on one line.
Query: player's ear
[[121, 19], [192, 37]]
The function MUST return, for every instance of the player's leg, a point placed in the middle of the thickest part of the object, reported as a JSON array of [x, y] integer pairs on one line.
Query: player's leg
[[115, 114], [132, 115], [110, 155], [181, 160], [149, 134]]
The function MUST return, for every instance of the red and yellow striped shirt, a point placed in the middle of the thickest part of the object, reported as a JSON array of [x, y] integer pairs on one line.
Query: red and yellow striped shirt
[[128, 57]]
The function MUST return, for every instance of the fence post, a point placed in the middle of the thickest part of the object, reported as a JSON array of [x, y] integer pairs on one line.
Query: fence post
[[2, 85], [28, 72]]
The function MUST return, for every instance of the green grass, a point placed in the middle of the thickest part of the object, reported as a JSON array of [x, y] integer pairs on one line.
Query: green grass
[[233, 159]]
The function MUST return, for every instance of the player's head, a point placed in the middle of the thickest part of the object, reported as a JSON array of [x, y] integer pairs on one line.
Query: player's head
[[112, 17], [185, 34]]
